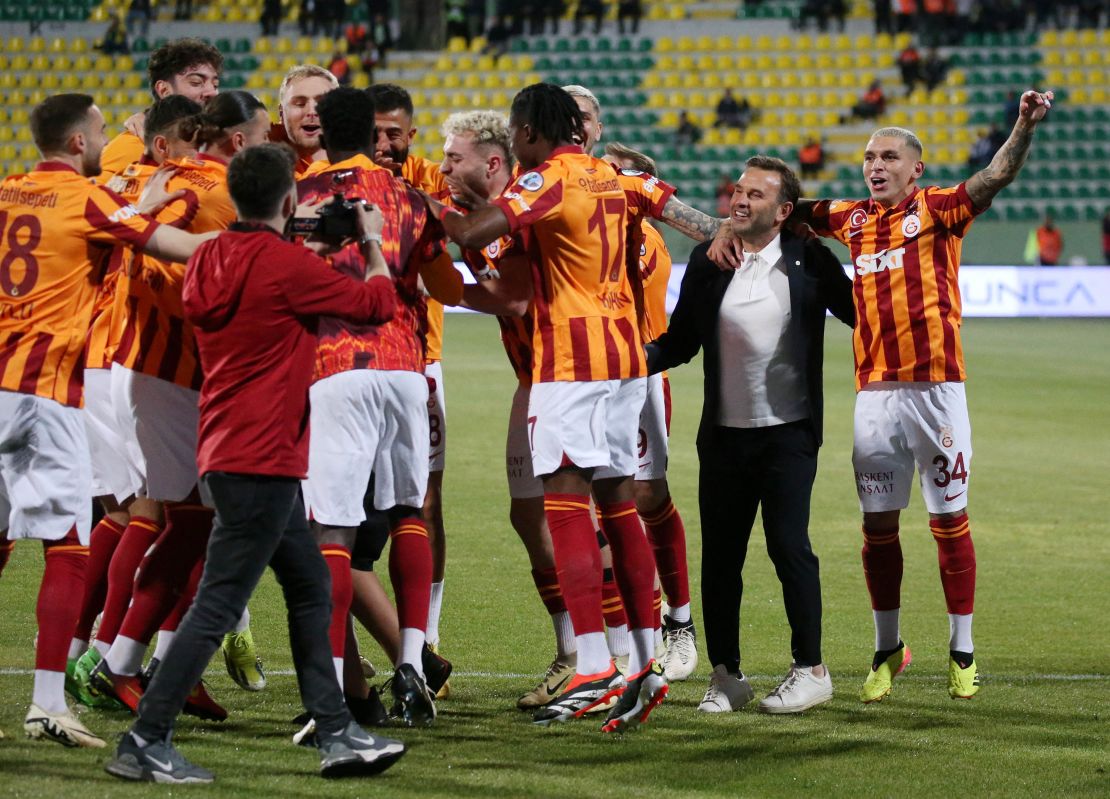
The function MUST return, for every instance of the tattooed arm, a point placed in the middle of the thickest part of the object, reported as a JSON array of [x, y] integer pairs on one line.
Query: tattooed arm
[[691, 222], [1007, 162]]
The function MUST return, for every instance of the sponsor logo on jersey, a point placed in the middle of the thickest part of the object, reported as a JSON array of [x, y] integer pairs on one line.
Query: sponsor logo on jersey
[[126, 212], [531, 181], [493, 248], [880, 262], [911, 226], [513, 196], [946, 437]]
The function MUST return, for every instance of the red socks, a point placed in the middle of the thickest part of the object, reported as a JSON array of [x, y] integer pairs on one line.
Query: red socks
[[410, 570], [103, 541], [338, 559], [164, 575], [956, 554], [63, 578], [632, 562], [667, 536], [547, 584], [137, 537], [882, 568], [577, 559], [184, 602], [612, 607], [657, 607]]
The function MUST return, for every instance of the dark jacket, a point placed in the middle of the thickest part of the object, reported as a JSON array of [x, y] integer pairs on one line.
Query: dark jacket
[[817, 282]]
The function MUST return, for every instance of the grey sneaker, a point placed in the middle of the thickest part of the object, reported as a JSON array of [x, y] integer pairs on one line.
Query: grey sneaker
[[157, 761], [354, 752], [800, 690]]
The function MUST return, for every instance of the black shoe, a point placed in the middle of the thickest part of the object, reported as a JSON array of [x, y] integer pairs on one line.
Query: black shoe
[[157, 761], [353, 752], [436, 669], [413, 702], [148, 673], [368, 712]]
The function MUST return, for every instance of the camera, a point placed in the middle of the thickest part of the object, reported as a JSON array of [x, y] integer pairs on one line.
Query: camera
[[334, 222]]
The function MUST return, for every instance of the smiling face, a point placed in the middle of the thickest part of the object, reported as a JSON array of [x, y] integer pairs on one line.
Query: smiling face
[[591, 123], [200, 83], [298, 112], [395, 134], [755, 209], [891, 168]]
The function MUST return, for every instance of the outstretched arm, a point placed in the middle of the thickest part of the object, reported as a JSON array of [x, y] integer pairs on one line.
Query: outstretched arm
[[689, 221], [1007, 162]]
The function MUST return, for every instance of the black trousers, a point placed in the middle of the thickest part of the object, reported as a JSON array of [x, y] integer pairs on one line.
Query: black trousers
[[259, 521], [741, 470]]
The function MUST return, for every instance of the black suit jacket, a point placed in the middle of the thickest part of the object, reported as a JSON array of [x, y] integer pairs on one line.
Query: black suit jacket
[[817, 282]]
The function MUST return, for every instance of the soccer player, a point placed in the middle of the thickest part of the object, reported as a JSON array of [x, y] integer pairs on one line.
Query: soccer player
[[370, 395], [47, 294], [189, 67], [911, 409], [256, 300], [299, 123], [588, 388], [156, 380], [393, 117]]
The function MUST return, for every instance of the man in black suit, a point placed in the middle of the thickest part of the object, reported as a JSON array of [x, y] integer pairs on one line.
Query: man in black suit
[[762, 327]]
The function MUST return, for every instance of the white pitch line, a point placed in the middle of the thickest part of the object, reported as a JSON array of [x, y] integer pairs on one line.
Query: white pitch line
[[504, 675]]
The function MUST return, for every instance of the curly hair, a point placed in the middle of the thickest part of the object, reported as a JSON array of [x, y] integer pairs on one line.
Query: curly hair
[[177, 56], [550, 111], [347, 119], [488, 129]]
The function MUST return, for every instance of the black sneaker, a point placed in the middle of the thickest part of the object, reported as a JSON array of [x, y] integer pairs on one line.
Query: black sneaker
[[413, 702], [157, 761], [368, 712], [353, 752], [436, 669]]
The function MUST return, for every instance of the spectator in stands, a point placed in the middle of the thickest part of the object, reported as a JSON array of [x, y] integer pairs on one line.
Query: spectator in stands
[[183, 10], [497, 37], [382, 37], [733, 113], [981, 152], [476, 16], [725, 187], [115, 38], [934, 69], [905, 13], [589, 8], [1106, 237], [909, 62], [631, 10], [138, 18], [884, 16], [1044, 12], [454, 13], [377, 11], [687, 133], [1050, 243], [1090, 12], [271, 17], [821, 10], [871, 104], [340, 67], [811, 158]]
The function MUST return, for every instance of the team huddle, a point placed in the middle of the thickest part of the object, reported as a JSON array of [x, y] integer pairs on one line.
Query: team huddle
[[227, 333]]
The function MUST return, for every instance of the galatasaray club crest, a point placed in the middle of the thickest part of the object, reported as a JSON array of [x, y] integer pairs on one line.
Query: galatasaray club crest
[[911, 226]]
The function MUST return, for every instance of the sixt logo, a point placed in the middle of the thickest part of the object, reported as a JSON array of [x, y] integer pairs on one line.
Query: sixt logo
[[880, 261]]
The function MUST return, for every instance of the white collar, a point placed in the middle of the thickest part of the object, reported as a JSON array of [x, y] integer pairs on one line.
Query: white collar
[[771, 253]]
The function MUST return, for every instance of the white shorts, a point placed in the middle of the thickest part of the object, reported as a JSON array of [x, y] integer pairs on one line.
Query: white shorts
[[898, 425], [364, 421], [158, 422], [651, 444], [45, 475], [112, 473], [523, 483], [586, 424], [437, 419]]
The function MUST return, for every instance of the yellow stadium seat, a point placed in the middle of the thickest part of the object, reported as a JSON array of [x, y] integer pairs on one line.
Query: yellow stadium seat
[[29, 152], [457, 44], [808, 80], [685, 44], [899, 118], [744, 43], [697, 100], [1079, 96], [745, 62], [705, 63], [464, 63], [1069, 38], [749, 80], [485, 63], [764, 43], [785, 43], [685, 63], [261, 46], [803, 43], [472, 81], [711, 80], [712, 137], [723, 43], [1088, 37], [884, 42], [664, 44], [691, 80], [902, 41], [478, 44], [672, 80], [703, 44]]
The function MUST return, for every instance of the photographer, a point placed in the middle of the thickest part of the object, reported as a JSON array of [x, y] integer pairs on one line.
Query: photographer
[[255, 299]]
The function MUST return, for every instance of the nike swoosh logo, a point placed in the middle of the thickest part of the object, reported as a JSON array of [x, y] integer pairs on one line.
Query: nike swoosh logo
[[364, 741], [954, 496], [164, 766], [558, 685]]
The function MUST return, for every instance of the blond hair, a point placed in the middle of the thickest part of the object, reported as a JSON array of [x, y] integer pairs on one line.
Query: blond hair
[[574, 90], [907, 136], [488, 129], [304, 71]]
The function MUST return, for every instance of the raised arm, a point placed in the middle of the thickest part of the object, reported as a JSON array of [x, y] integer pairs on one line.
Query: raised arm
[[1007, 162], [474, 230]]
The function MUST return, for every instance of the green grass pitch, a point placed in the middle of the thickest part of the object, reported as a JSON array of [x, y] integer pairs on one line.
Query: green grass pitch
[[1038, 394]]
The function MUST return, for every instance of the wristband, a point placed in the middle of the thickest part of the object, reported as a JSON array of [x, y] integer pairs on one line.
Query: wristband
[[369, 237]]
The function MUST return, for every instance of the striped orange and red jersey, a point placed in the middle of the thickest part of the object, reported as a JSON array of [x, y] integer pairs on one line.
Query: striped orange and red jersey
[[420, 173], [572, 216], [655, 273], [57, 231], [122, 151], [646, 195], [149, 330], [906, 260], [516, 331], [278, 135], [410, 239]]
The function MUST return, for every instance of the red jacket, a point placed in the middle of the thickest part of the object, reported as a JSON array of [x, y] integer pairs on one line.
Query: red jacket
[[254, 299]]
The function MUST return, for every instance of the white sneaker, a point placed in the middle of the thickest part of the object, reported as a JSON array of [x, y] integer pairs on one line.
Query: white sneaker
[[681, 656], [800, 690], [726, 692], [64, 728]]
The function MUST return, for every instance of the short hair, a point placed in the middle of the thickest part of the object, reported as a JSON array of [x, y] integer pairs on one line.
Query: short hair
[[789, 189], [488, 129], [574, 90], [550, 111], [177, 56], [640, 161], [165, 114], [347, 119], [224, 111], [907, 136], [390, 97], [302, 71], [55, 118], [259, 178]]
